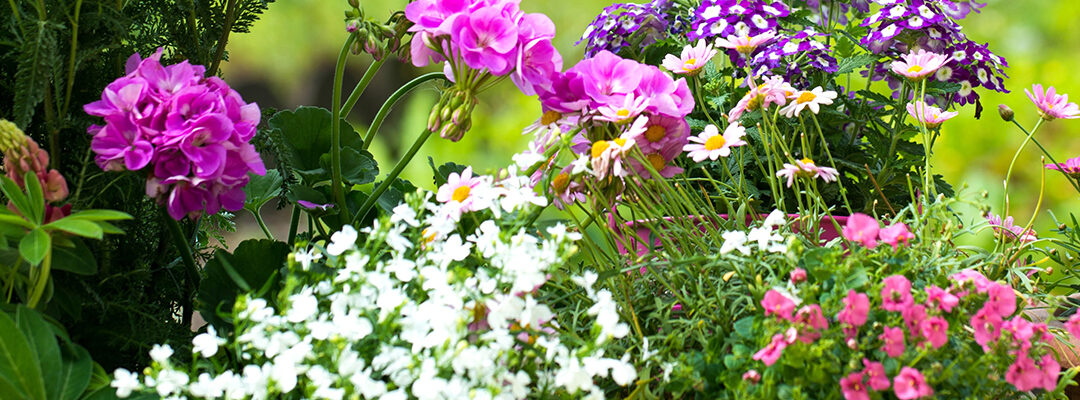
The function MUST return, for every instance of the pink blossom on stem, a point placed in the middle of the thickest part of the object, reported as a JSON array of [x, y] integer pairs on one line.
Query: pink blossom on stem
[[778, 304], [856, 308], [752, 376], [772, 351], [929, 115], [910, 384], [916, 66], [806, 168], [875, 375], [893, 339], [987, 327], [853, 388], [1001, 299], [895, 234], [896, 294], [913, 315], [692, 59], [772, 91], [862, 228], [935, 330], [1073, 325], [812, 321], [798, 275], [941, 298], [1070, 167], [1051, 104], [712, 145], [745, 44]]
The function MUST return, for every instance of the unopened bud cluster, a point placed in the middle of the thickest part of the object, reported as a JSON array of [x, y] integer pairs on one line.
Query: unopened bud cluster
[[375, 38], [22, 154], [452, 116]]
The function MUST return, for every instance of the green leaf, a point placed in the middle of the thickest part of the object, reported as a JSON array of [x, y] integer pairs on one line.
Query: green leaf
[[252, 264], [851, 64], [79, 227], [261, 189], [744, 327], [35, 245], [99, 215], [43, 344], [35, 197], [307, 137], [358, 167], [77, 260], [444, 171], [18, 364], [74, 374], [14, 193]]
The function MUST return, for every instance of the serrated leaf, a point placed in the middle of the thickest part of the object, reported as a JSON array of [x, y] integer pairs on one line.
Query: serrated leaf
[[261, 189], [35, 245], [358, 167], [853, 63], [306, 131]]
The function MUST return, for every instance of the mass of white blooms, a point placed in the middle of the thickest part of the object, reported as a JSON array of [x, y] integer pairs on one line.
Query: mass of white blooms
[[421, 307]]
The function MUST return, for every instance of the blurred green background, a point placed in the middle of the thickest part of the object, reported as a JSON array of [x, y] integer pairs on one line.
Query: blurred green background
[[287, 60]]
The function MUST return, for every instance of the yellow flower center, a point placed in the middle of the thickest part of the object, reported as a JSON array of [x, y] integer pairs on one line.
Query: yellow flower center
[[655, 133], [599, 147], [560, 182], [914, 69], [808, 161], [461, 193], [806, 97], [715, 142], [755, 102], [623, 113], [620, 141], [690, 64], [429, 236], [658, 162], [550, 117]]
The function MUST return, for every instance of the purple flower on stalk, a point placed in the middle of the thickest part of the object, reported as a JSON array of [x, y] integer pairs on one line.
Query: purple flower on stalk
[[191, 132], [1070, 167], [1005, 227], [486, 39]]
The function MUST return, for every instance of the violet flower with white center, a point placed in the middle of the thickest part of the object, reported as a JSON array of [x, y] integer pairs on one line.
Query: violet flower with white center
[[712, 145], [692, 59], [932, 116], [1051, 104]]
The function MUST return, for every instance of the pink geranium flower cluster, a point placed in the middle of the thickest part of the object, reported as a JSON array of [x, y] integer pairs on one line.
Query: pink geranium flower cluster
[[492, 36], [923, 324], [190, 133], [608, 89], [866, 230]]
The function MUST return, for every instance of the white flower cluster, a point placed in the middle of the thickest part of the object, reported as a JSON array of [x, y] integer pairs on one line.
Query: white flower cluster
[[420, 309], [765, 236]]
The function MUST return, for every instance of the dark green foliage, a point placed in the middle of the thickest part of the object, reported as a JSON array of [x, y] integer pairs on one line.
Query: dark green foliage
[[53, 60], [35, 365], [252, 268]]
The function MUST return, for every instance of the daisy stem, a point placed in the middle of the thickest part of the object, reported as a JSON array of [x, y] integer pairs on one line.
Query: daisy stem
[[832, 162], [928, 188], [701, 100], [1072, 181], [1008, 173]]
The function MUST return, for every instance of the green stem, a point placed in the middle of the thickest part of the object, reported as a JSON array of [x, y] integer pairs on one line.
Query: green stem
[[360, 87], [374, 197], [71, 56], [191, 271], [41, 282], [392, 100], [1048, 155], [1008, 174], [262, 225], [335, 133], [230, 18], [293, 224]]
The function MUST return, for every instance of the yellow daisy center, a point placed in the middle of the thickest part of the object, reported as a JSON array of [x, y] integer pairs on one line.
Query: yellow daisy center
[[550, 117], [623, 112], [689, 64], [620, 141], [658, 162], [808, 161], [560, 182], [806, 97], [599, 147], [715, 142], [914, 69], [655, 133], [461, 193]]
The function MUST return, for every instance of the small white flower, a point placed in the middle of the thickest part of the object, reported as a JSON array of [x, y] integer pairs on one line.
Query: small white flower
[[342, 240], [125, 382], [302, 307], [306, 257], [776, 218], [735, 240], [406, 214], [161, 353], [207, 343], [170, 381]]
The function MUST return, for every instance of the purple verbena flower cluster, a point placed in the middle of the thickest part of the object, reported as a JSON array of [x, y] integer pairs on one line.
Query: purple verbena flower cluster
[[721, 18], [190, 132], [493, 36], [621, 24], [780, 57], [824, 12], [901, 25]]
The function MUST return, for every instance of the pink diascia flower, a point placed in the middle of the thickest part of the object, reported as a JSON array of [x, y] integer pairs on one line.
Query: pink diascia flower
[[1073, 325], [895, 234], [977, 279], [1001, 300], [464, 191], [1011, 231], [772, 352], [856, 308], [987, 327], [1026, 375], [772, 91], [853, 388], [918, 65], [812, 321], [914, 315], [752, 376], [692, 59], [893, 341], [798, 275], [941, 298], [778, 304], [1051, 104], [910, 384], [862, 228], [927, 114], [935, 330], [812, 99], [745, 44], [875, 375], [807, 169], [1070, 167], [191, 133], [712, 145], [896, 294]]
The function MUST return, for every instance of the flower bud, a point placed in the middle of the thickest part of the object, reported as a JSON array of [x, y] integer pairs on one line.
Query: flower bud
[[355, 3], [1005, 112], [352, 26]]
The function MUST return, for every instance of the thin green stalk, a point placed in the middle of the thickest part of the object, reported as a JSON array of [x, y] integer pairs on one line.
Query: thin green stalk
[[293, 224], [361, 87], [701, 100], [71, 56], [336, 188], [928, 187], [191, 271], [391, 101], [230, 18], [262, 225], [832, 162], [370, 201], [41, 280], [1008, 174], [1073, 182]]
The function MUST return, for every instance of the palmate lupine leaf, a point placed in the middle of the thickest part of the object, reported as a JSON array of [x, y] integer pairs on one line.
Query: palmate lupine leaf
[[36, 60]]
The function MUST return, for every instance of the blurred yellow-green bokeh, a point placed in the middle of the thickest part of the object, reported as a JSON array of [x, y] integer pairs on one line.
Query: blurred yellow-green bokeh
[[288, 60]]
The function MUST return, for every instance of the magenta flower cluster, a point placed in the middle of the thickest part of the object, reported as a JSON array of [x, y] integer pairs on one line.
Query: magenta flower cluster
[[924, 324], [492, 36], [190, 133], [866, 230]]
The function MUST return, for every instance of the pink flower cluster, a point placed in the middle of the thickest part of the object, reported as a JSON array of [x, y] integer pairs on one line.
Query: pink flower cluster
[[485, 35], [1012, 232], [192, 133], [866, 230]]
